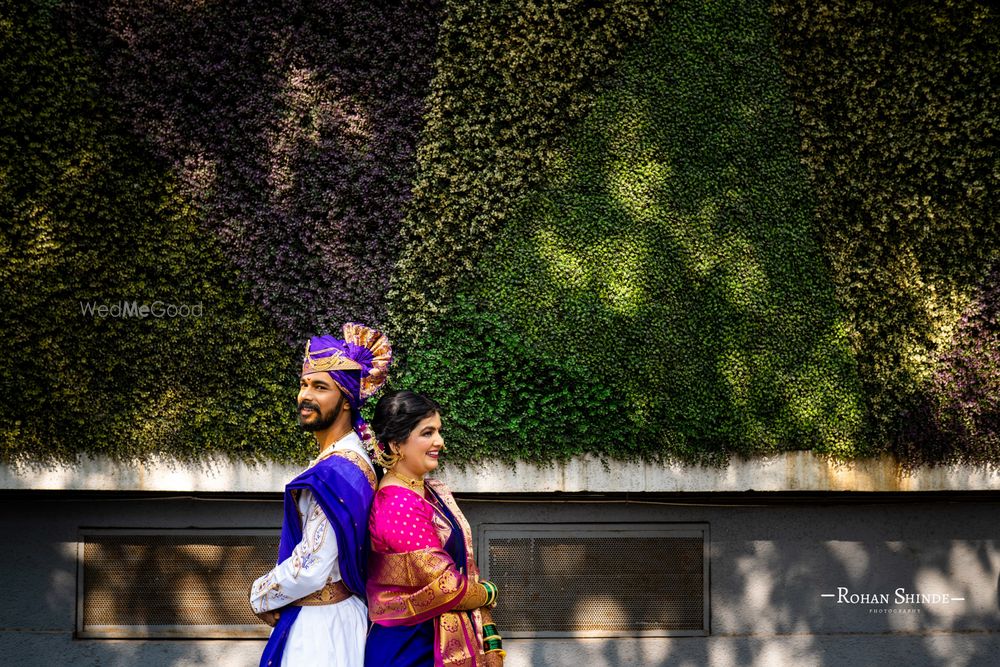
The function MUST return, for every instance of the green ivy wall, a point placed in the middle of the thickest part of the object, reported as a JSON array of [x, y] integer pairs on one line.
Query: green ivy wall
[[665, 230]]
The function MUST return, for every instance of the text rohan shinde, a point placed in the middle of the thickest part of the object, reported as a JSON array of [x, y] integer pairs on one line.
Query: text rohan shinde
[[899, 596]]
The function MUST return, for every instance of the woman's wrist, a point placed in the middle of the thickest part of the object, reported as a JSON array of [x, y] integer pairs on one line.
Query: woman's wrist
[[492, 641], [492, 592]]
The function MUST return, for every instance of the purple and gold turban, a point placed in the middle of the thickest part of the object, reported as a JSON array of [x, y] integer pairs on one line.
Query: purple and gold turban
[[358, 364]]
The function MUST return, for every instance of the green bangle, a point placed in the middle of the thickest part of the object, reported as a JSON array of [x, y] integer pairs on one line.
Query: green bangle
[[491, 592], [492, 641]]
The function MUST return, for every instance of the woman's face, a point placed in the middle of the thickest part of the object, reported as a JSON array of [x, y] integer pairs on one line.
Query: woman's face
[[420, 451]]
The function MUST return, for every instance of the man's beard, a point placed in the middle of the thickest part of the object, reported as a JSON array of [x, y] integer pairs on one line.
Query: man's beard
[[322, 422]]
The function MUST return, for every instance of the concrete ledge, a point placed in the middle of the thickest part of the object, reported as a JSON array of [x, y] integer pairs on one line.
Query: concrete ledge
[[794, 471]]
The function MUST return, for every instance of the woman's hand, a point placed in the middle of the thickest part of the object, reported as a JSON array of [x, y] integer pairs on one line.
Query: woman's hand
[[492, 594], [493, 658]]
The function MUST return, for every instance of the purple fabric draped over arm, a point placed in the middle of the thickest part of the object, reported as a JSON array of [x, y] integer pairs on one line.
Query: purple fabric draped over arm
[[345, 494]]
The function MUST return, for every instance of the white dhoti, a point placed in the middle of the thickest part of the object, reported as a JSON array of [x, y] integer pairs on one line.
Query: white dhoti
[[322, 634], [331, 635]]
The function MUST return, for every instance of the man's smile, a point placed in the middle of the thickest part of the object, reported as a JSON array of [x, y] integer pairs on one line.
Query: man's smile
[[306, 409]]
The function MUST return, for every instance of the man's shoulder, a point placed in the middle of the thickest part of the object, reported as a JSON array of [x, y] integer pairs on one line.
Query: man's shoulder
[[345, 462], [359, 461]]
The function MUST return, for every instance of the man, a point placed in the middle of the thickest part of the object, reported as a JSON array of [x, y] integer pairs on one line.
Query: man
[[315, 597]]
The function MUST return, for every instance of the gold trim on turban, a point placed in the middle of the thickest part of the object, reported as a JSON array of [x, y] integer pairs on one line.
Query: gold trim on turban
[[378, 344], [335, 362]]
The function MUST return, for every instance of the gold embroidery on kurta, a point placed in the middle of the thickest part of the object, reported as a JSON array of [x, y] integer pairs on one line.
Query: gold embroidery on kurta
[[360, 462]]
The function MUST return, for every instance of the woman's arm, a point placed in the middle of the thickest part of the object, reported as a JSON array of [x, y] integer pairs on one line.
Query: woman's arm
[[405, 522]]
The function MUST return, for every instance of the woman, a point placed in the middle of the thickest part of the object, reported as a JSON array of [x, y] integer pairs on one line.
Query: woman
[[424, 593]]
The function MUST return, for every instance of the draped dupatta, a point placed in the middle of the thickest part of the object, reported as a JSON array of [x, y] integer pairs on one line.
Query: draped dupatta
[[344, 488], [426, 584]]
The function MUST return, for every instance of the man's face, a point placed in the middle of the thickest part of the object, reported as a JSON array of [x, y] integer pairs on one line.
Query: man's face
[[320, 401]]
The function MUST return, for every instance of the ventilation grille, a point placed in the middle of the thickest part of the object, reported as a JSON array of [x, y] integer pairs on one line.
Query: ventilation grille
[[590, 581], [172, 585]]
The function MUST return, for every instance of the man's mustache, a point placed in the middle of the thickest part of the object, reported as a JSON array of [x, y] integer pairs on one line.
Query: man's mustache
[[310, 405]]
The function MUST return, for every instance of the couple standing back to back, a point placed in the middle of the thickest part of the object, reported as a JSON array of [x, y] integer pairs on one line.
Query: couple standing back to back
[[415, 568]]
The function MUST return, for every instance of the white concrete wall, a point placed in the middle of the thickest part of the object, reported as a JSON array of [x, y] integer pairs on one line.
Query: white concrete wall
[[794, 471]]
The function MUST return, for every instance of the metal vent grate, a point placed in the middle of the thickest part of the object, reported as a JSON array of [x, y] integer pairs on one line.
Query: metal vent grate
[[172, 584], [592, 580]]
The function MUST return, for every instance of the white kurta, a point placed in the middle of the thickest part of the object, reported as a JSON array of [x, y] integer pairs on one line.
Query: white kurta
[[331, 634]]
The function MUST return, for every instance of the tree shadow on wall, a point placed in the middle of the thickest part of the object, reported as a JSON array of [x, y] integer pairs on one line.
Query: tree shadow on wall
[[292, 127], [140, 582], [677, 235], [955, 416], [895, 135], [173, 580], [768, 578], [92, 224]]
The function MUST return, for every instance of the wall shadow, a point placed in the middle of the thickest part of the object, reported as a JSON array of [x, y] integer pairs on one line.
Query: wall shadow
[[291, 127], [772, 564], [677, 231]]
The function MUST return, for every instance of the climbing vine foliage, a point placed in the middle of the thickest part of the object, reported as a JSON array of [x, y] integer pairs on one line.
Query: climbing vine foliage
[[662, 230]]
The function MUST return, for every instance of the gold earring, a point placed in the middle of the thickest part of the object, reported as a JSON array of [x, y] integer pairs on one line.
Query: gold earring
[[386, 457]]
